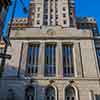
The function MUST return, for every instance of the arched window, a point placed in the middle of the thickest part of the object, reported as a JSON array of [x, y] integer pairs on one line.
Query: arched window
[[50, 93], [11, 94], [70, 93], [30, 93]]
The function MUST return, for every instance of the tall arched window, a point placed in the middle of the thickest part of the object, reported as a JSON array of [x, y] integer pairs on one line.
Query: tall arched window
[[70, 93], [50, 93], [11, 94], [30, 93]]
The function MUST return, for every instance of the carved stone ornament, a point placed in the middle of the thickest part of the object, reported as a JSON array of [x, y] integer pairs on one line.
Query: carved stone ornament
[[50, 32]]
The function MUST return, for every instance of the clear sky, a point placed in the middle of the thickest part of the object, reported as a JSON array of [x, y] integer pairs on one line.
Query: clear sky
[[83, 8]]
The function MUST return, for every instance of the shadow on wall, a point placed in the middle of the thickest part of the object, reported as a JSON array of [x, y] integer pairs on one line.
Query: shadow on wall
[[10, 70], [10, 84]]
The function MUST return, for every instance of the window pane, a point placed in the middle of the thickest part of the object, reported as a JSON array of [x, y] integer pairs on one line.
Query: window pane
[[32, 60], [30, 93], [50, 58], [68, 69], [50, 93], [97, 97], [69, 93]]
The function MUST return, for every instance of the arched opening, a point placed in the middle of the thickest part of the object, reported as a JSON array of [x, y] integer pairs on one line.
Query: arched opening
[[50, 93], [30, 93], [70, 93], [11, 94]]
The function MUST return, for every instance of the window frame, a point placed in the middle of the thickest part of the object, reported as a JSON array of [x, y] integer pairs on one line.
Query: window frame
[[32, 89], [33, 67], [47, 74], [71, 72]]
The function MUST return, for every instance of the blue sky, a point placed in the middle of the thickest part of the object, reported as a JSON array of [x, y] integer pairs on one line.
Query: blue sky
[[83, 8]]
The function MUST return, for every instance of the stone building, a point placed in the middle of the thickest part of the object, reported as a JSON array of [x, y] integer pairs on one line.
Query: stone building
[[51, 58], [87, 23]]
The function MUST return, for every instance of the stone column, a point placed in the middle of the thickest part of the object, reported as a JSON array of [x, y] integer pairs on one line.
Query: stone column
[[23, 59], [61, 93], [77, 60], [41, 61], [59, 65]]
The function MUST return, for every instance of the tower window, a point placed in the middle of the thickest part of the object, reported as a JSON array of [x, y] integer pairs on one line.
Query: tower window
[[50, 60], [56, 16], [64, 22], [38, 15], [68, 69], [38, 21], [64, 15], [64, 8], [56, 22], [32, 59], [38, 8]]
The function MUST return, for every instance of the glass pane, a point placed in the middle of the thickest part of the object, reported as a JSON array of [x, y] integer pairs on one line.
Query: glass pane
[[69, 93], [50, 68], [32, 62], [30, 93], [50, 93], [67, 60]]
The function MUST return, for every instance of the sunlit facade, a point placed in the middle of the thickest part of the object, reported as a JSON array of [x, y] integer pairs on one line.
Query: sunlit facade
[[51, 58]]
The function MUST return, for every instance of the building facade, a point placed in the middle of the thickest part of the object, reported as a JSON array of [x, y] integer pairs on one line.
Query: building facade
[[87, 23], [51, 58]]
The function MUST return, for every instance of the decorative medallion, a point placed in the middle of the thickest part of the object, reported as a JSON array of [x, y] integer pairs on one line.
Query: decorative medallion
[[50, 32]]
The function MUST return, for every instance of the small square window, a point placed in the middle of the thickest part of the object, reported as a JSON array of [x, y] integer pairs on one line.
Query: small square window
[[56, 16], [64, 8], [38, 21], [51, 16], [38, 8], [65, 22], [64, 15], [51, 10], [38, 15], [56, 22]]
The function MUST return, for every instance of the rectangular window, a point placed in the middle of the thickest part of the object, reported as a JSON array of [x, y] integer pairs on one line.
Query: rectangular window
[[50, 60], [38, 15], [98, 56], [38, 8], [68, 69], [64, 14], [64, 22], [38, 22], [97, 97], [32, 59]]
